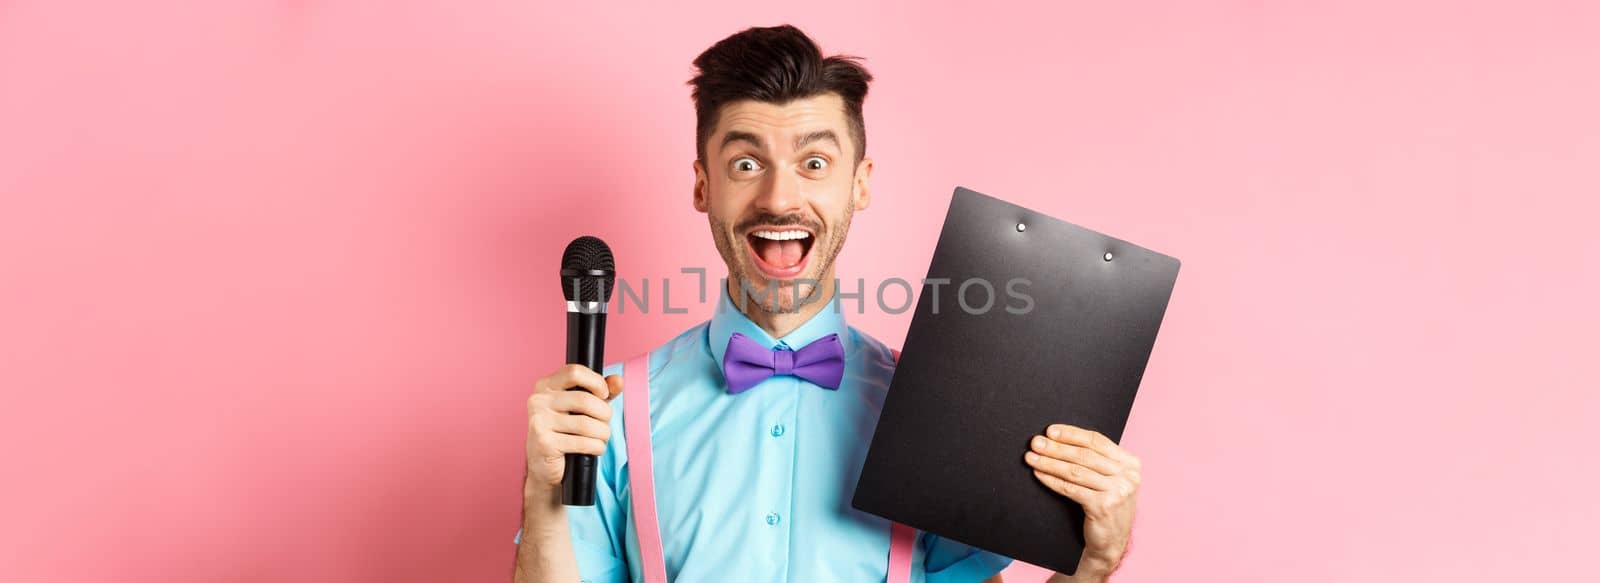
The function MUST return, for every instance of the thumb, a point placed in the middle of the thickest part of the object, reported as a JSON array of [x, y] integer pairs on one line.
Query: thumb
[[614, 383]]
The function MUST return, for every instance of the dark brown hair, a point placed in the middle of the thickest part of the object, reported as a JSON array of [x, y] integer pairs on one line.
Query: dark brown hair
[[775, 65]]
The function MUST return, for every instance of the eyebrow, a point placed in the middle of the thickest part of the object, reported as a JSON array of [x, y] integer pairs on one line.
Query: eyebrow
[[817, 136], [738, 136], [799, 142]]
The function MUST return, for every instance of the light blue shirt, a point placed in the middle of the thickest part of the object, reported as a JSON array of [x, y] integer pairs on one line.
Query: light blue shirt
[[757, 486]]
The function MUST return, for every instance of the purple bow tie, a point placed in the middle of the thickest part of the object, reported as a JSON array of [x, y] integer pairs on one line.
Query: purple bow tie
[[747, 362]]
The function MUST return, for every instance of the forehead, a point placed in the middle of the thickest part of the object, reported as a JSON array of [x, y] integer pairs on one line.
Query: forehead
[[778, 124]]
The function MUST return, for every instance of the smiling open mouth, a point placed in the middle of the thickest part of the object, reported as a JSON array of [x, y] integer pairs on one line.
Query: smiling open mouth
[[780, 252]]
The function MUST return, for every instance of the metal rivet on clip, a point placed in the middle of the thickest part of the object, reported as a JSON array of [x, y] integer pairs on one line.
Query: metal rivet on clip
[[1021, 227], [1108, 256]]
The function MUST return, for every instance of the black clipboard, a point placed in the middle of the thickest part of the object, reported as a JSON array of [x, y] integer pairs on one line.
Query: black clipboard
[[946, 457]]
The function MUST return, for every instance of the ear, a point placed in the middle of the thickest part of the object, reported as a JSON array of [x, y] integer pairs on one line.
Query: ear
[[862, 189], [700, 184]]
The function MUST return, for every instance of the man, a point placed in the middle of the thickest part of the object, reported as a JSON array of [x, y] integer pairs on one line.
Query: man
[[754, 477]]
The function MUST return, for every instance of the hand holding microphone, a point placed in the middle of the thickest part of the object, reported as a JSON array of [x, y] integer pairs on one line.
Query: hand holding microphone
[[569, 412], [563, 422]]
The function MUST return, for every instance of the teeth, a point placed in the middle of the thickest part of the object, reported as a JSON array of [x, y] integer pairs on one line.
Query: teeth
[[782, 235]]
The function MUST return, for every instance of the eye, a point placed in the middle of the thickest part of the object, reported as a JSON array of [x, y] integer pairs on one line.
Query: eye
[[745, 164], [816, 163]]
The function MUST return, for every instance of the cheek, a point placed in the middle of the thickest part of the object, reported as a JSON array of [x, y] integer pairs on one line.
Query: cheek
[[730, 212], [730, 198], [833, 201]]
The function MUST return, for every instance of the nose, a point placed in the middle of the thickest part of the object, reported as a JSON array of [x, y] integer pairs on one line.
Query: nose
[[780, 195]]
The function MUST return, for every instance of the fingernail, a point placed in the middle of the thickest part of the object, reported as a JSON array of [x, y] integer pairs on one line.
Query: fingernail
[[1055, 432], [1038, 442], [1031, 457]]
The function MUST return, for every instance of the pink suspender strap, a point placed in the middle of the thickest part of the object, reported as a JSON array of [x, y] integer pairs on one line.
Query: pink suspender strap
[[636, 427], [900, 539]]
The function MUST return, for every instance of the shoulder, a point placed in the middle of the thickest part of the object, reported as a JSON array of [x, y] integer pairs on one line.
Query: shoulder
[[679, 350], [863, 345], [870, 356], [684, 347]]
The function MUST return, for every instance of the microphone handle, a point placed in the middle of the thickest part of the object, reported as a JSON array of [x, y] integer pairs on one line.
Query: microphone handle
[[586, 344]]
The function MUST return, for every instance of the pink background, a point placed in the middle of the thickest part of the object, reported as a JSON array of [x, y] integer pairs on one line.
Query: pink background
[[275, 277]]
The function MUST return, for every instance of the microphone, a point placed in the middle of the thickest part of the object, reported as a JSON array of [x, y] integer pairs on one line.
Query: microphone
[[587, 274]]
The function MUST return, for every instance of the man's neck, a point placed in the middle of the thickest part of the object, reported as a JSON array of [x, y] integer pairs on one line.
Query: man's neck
[[780, 324]]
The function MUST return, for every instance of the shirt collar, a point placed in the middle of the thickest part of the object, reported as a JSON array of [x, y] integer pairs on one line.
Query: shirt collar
[[727, 319]]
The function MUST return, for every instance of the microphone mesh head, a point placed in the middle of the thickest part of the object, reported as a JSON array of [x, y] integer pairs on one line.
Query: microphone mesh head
[[587, 270]]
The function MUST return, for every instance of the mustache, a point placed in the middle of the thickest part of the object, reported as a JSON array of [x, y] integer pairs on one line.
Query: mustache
[[771, 220]]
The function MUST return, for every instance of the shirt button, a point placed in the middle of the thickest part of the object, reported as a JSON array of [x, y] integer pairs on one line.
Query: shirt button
[[773, 518], [777, 430]]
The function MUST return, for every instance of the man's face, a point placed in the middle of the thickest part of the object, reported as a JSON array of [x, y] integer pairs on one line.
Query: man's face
[[779, 185]]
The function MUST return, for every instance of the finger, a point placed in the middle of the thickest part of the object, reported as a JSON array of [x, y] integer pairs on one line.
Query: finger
[[580, 403], [1076, 493], [1091, 439], [614, 382], [582, 426], [1071, 472], [575, 376], [578, 444], [1075, 454]]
